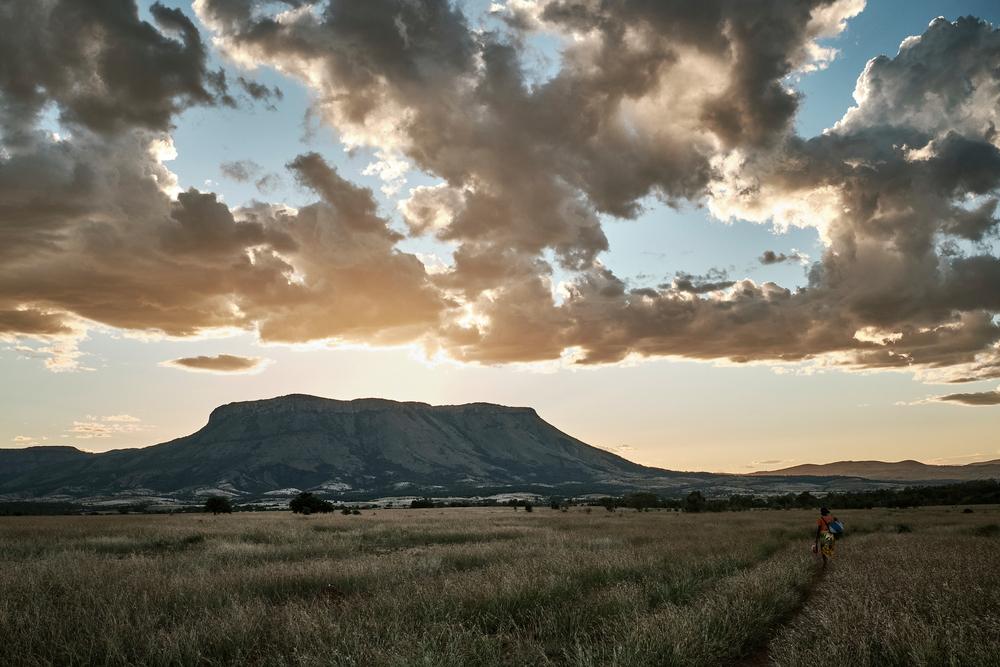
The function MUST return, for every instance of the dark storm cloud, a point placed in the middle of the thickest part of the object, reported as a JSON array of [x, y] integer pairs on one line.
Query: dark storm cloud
[[220, 363], [983, 398]]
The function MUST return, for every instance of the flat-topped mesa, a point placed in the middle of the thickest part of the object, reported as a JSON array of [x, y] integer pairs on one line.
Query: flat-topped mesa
[[298, 403], [368, 446]]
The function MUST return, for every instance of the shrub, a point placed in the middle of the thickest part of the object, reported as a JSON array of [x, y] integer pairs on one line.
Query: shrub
[[641, 500], [528, 507], [218, 505], [695, 502], [307, 501]]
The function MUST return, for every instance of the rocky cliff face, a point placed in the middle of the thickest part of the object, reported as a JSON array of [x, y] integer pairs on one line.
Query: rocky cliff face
[[370, 445]]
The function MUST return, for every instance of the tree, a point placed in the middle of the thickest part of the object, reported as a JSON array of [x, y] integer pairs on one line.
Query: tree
[[641, 500], [218, 505], [806, 500], [527, 506], [307, 503], [695, 502]]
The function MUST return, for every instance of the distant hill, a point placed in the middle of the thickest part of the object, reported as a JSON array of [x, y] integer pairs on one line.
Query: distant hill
[[899, 471]]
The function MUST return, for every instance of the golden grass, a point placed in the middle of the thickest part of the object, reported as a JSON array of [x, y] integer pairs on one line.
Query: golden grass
[[495, 587]]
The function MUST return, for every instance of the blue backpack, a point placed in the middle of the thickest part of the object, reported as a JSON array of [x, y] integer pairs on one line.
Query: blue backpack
[[836, 528]]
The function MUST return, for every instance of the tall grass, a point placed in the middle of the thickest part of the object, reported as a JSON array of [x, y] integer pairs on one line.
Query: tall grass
[[927, 595], [459, 587]]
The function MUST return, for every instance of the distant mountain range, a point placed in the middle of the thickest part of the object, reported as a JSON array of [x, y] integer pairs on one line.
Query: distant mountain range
[[262, 451], [901, 471]]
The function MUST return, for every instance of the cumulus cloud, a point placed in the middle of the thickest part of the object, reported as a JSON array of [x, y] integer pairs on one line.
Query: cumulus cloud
[[220, 363], [884, 210], [678, 101], [60, 51], [646, 98], [96, 232]]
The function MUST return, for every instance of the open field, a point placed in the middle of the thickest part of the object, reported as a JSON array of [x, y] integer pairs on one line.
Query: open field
[[499, 587]]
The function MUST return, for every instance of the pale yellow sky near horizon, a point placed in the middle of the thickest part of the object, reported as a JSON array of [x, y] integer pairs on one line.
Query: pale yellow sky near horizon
[[676, 414]]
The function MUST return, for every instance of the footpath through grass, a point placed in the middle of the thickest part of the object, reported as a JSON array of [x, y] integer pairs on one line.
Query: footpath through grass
[[479, 587]]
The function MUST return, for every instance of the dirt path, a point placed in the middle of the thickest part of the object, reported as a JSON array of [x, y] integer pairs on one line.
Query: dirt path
[[762, 656]]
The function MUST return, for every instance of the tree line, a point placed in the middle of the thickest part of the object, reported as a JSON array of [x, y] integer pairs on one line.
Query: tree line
[[979, 492]]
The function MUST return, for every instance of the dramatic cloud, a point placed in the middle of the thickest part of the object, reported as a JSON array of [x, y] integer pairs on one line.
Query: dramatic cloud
[[683, 102], [983, 398], [220, 363], [103, 67], [94, 229]]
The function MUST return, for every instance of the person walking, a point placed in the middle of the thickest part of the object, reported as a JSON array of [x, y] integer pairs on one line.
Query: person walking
[[827, 529]]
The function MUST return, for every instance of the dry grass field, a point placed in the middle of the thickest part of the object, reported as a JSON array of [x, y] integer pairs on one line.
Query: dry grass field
[[499, 587]]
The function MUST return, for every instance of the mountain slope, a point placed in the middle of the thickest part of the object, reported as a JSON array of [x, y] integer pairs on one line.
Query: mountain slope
[[15, 463], [893, 471], [370, 444]]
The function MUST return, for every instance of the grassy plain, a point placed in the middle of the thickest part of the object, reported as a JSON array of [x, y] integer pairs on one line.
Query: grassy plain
[[499, 587]]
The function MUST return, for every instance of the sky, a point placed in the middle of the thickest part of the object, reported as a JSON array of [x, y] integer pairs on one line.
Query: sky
[[725, 236]]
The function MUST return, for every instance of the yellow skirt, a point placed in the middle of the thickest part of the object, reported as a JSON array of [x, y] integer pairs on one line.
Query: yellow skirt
[[827, 542]]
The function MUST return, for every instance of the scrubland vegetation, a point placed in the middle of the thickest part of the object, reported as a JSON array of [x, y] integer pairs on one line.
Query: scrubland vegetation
[[499, 587]]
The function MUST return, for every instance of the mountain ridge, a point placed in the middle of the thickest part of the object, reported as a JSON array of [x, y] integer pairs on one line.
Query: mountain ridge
[[905, 470], [374, 447]]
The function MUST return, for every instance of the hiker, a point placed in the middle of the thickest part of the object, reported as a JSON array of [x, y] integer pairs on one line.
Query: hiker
[[827, 530]]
